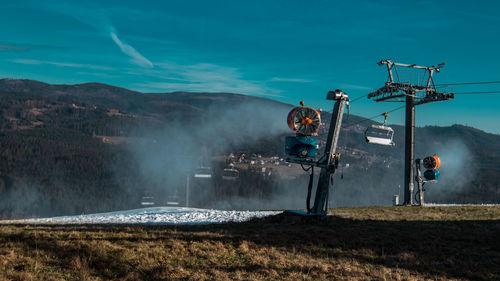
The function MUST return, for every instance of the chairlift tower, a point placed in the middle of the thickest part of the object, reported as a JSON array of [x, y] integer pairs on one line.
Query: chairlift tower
[[419, 92]]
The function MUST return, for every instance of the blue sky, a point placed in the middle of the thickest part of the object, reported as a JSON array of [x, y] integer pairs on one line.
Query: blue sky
[[284, 50]]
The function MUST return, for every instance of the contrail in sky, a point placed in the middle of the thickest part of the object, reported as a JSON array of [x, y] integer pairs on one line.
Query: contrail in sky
[[137, 58], [98, 18]]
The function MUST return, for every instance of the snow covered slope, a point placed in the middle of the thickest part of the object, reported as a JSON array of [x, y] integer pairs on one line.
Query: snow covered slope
[[157, 215]]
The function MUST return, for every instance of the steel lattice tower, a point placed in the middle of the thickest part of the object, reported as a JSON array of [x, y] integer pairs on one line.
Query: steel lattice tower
[[413, 94]]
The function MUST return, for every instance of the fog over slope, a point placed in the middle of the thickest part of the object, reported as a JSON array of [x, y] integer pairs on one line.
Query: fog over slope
[[72, 149]]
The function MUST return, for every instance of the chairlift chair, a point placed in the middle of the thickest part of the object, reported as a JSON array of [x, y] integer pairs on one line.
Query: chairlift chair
[[380, 134], [173, 200], [230, 174], [147, 201], [203, 172]]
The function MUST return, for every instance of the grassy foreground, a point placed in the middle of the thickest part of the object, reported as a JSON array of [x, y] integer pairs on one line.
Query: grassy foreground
[[379, 243]]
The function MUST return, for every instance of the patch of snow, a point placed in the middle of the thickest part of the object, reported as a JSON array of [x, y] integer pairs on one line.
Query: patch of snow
[[156, 215]]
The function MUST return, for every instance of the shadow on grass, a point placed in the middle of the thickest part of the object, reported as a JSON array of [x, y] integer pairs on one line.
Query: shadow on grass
[[451, 249]]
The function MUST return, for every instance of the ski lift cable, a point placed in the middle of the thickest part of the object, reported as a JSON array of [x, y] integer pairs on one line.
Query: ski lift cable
[[469, 83], [361, 121], [470, 93], [398, 108], [447, 84], [358, 98], [373, 117], [362, 96]]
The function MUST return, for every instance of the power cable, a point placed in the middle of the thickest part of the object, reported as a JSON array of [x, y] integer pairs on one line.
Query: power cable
[[303, 168]]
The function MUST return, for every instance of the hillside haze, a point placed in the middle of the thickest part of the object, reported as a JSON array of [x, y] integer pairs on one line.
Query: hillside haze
[[72, 149]]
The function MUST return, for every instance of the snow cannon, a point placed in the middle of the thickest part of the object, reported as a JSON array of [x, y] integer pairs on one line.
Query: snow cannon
[[431, 175], [300, 146], [432, 163], [305, 122]]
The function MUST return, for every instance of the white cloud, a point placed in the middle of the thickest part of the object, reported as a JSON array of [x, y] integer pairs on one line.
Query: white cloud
[[61, 64], [205, 77], [98, 74], [295, 80], [354, 87], [10, 48], [137, 58]]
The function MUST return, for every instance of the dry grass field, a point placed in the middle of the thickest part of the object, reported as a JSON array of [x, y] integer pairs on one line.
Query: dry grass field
[[378, 243]]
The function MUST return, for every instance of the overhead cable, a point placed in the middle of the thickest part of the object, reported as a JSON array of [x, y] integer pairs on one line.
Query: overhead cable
[[373, 117], [469, 93], [358, 98], [469, 83]]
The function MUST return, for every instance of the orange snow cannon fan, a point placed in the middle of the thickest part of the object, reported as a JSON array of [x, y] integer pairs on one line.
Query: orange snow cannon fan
[[305, 122], [432, 163]]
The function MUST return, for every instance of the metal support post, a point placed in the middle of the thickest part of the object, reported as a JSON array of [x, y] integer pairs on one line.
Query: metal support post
[[187, 190], [420, 182], [409, 148], [320, 206]]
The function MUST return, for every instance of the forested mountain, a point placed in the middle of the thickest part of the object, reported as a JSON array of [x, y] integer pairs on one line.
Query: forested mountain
[[69, 149]]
